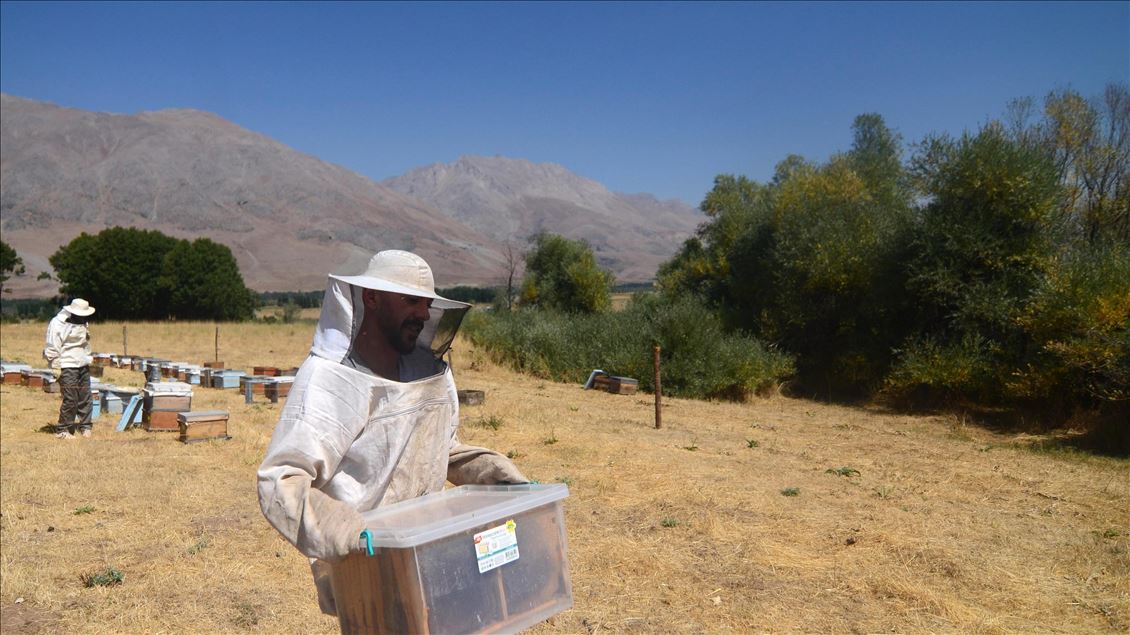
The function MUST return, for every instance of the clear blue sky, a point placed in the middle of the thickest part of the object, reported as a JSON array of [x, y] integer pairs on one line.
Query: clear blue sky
[[642, 97]]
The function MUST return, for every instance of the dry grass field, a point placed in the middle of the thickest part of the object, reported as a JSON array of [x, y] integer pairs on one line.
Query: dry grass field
[[781, 515]]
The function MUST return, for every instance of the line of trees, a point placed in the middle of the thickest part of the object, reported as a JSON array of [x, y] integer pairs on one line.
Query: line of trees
[[134, 274], [990, 268]]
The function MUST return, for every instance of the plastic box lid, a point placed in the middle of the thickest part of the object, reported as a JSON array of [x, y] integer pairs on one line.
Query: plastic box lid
[[175, 388], [427, 518]]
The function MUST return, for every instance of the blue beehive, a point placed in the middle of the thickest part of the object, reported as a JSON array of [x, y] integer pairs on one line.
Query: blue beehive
[[226, 379], [111, 403], [192, 375]]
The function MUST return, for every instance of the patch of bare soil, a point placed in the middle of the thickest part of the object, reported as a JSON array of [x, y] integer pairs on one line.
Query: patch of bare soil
[[20, 618]]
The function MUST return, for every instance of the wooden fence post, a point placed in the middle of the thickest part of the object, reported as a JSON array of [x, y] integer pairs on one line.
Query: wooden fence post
[[217, 358], [658, 393], [125, 342]]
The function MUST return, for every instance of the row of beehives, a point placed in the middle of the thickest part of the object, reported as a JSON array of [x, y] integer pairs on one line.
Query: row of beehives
[[160, 407], [25, 375], [269, 381]]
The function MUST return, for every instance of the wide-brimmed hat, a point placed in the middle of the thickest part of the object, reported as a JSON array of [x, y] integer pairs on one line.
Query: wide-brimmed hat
[[400, 272], [80, 307]]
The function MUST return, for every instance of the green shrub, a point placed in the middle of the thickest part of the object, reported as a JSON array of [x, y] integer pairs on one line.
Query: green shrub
[[107, 577], [1079, 319], [929, 373], [698, 358]]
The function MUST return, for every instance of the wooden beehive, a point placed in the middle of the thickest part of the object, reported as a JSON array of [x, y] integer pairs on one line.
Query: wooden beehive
[[616, 385], [175, 403], [32, 379], [258, 387], [161, 403], [13, 377], [202, 425], [160, 420], [471, 397], [214, 365], [102, 359], [276, 390], [265, 371]]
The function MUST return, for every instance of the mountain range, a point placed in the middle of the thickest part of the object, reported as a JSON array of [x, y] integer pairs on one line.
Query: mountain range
[[291, 218]]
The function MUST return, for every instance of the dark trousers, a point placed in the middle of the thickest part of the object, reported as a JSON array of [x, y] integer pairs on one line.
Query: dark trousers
[[74, 383]]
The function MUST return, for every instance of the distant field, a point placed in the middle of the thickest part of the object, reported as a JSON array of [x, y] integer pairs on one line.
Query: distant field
[[780, 515]]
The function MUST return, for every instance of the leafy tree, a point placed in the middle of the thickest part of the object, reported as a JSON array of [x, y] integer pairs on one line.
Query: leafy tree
[[983, 246], [135, 274], [1088, 142], [202, 282], [562, 274], [117, 270], [1078, 319], [810, 261], [10, 264], [736, 207]]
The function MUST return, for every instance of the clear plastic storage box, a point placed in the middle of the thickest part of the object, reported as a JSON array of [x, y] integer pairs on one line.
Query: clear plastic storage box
[[471, 559]]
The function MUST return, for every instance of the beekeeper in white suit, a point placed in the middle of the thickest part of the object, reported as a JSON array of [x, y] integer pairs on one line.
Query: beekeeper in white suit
[[372, 416]]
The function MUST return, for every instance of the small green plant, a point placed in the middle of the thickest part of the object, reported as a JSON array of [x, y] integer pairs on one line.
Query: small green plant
[[693, 446], [884, 491], [493, 422], [85, 509], [568, 480], [107, 577], [1109, 533], [842, 471], [790, 491], [752, 443], [573, 408], [199, 546], [669, 522], [551, 439], [514, 454]]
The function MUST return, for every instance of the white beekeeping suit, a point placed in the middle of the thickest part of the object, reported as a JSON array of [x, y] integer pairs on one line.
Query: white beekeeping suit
[[67, 345], [348, 440]]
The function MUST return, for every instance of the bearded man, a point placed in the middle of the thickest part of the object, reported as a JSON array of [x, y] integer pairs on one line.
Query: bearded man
[[372, 416]]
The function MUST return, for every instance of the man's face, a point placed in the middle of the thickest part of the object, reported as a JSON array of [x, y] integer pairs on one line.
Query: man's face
[[400, 318]]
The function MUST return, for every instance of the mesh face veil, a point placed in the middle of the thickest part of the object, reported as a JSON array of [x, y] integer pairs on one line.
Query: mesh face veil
[[398, 272]]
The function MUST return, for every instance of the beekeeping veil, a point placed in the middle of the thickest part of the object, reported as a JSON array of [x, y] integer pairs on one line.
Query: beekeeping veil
[[396, 272]]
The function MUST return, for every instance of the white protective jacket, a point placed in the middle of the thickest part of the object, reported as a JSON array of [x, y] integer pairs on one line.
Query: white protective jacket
[[67, 345], [348, 441]]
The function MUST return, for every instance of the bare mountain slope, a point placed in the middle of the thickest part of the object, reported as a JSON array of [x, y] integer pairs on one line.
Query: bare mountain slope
[[512, 199], [288, 217]]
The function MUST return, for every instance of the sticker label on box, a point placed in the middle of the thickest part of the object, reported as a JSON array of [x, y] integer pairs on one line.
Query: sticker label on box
[[496, 546]]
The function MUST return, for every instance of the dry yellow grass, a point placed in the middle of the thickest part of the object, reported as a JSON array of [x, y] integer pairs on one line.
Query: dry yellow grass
[[946, 528]]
